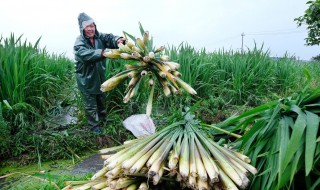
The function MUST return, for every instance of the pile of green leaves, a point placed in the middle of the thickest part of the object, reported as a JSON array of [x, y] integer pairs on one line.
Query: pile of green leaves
[[282, 138]]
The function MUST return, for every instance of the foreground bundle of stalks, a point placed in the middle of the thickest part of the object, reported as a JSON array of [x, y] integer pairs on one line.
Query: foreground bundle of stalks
[[149, 64], [103, 183], [181, 152]]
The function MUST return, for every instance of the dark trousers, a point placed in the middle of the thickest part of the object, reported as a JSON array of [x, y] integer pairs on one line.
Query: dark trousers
[[95, 109]]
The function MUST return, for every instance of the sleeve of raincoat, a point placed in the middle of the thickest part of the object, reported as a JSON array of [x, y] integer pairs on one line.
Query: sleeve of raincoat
[[110, 40], [84, 53]]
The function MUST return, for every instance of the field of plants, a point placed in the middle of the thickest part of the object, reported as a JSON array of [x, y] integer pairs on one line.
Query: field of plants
[[271, 106]]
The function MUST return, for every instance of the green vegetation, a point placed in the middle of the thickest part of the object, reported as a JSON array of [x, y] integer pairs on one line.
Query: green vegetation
[[282, 139], [235, 77], [47, 177], [311, 18], [35, 86], [31, 80]]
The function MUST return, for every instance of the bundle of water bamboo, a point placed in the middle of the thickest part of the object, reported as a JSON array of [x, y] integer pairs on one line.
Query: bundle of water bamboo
[[150, 64], [180, 151]]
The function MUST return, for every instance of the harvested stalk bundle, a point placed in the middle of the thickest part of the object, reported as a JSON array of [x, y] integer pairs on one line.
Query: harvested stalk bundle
[[103, 183], [147, 61], [180, 152]]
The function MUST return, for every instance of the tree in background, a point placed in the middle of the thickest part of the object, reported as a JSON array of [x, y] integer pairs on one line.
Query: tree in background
[[316, 58], [311, 18]]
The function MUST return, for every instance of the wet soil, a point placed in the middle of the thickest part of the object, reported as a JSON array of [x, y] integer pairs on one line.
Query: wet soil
[[91, 164]]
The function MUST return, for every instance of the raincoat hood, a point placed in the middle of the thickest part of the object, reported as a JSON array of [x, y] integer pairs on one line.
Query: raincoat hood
[[85, 20]]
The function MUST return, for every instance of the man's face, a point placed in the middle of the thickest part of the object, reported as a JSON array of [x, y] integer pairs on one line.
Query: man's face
[[90, 30]]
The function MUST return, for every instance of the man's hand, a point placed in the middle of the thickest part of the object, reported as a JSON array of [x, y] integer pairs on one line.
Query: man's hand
[[121, 40]]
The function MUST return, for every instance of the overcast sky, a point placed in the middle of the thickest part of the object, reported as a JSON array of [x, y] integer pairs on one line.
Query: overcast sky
[[210, 24]]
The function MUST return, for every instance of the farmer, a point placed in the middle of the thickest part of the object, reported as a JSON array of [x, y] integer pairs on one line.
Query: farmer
[[90, 66]]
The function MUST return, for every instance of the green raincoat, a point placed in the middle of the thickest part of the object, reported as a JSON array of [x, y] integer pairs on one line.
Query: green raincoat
[[90, 65], [90, 71]]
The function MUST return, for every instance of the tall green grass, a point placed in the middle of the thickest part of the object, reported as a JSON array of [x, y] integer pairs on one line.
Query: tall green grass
[[31, 82], [227, 77], [29, 74], [238, 77]]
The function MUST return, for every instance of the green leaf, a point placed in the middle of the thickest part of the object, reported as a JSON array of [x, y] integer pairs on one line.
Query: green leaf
[[296, 136], [284, 135], [315, 184], [256, 151], [295, 161], [312, 96], [264, 172], [273, 163], [285, 177], [141, 29], [251, 112], [317, 154], [130, 36], [252, 133], [311, 136], [245, 123], [273, 120], [308, 76], [296, 109], [312, 105]]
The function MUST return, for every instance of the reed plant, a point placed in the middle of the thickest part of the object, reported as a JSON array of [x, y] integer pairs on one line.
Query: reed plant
[[31, 82], [238, 77], [30, 75]]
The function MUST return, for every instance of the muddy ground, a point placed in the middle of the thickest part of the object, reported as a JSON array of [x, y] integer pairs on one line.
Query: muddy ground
[[91, 164]]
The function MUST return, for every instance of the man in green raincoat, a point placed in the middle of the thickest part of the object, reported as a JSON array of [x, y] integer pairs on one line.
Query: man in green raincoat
[[90, 65]]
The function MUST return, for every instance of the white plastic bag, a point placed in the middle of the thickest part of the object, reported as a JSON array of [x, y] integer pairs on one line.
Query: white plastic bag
[[141, 125]]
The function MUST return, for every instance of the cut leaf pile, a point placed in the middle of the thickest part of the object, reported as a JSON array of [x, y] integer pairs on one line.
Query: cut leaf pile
[[282, 138]]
